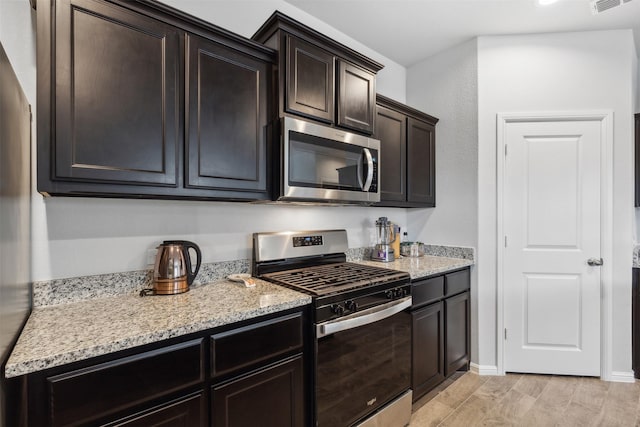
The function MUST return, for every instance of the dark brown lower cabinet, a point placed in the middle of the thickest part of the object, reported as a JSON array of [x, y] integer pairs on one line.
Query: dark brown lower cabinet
[[635, 322], [252, 373], [103, 391], [456, 333], [440, 329], [271, 397], [428, 349], [187, 412]]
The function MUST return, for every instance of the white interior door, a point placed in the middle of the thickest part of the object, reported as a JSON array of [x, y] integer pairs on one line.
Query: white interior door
[[551, 223]]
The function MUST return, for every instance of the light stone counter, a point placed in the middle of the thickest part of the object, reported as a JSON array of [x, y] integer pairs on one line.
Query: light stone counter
[[636, 257], [423, 266], [66, 333]]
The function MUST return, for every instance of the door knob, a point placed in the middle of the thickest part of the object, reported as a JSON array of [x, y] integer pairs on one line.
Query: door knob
[[594, 262]]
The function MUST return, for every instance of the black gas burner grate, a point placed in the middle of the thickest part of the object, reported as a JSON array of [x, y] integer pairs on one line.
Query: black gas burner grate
[[331, 278]]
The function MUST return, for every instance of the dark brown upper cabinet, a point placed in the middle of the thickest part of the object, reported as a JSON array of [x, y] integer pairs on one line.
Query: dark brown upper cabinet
[[407, 155], [320, 78], [356, 97], [391, 130], [310, 80], [116, 96], [137, 99], [227, 125], [421, 157]]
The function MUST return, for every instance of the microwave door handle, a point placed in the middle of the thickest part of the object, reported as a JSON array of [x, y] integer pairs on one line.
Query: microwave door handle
[[359, 171], [369, 178]]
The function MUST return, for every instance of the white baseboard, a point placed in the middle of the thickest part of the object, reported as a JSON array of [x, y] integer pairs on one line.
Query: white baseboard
[[483, 369], [622, 377]]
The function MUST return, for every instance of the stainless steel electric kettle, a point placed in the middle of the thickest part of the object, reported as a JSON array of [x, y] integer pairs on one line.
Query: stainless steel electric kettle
[[173, 272]]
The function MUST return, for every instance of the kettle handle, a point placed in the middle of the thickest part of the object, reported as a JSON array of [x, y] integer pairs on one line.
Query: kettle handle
[[191, 273]]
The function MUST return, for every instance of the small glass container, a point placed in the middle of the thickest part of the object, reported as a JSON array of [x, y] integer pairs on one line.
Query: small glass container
[[412, 249]]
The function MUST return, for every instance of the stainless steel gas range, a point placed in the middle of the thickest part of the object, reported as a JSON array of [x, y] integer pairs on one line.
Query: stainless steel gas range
[[361, 326]]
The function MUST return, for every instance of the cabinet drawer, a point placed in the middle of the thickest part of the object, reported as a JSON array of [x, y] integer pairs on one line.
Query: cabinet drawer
[[457, 282], [243, 347], [426, 291], [85, 395]]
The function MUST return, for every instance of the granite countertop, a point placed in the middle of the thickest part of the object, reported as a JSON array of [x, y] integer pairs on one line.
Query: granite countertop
[[636, 257], [60, 334], [423, 266], [66, 333]]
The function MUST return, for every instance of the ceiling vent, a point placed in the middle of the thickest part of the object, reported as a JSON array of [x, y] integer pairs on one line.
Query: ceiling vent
[[599, 6]]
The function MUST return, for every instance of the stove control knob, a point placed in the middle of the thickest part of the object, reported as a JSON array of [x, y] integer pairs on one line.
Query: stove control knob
[[351, 305], [400, 292], [337, 309], [389, 294]]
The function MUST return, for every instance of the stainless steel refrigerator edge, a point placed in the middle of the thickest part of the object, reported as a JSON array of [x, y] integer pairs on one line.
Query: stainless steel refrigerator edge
[[15, 218]]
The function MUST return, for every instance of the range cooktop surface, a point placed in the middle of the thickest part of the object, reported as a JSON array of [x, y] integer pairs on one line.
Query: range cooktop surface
[[332, 278]]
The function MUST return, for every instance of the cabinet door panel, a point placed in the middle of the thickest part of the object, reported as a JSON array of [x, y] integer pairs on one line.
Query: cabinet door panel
[[187, 412], [457, 336], [227, 110], [310, 80], [428, 349], [391, 130], [116, 95], [272, 397], [421, 156], [356, 97]]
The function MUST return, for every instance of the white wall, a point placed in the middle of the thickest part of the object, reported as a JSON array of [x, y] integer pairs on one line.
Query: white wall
[[445, 86], [246, 16], [17, 34], [84, 236], [637, 110], [93, 236], [570, 71]]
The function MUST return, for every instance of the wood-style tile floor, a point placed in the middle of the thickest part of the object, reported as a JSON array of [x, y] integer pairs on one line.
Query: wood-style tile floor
[[528, 400]]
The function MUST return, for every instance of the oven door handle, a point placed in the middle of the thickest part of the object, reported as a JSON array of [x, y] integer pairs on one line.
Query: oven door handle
[[362, 318]]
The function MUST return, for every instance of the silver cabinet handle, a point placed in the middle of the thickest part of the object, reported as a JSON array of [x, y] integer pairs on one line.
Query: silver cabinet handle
[[367, 183], [595, 262], [363, 318]]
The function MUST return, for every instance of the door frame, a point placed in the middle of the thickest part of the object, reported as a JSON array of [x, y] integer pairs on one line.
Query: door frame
[[605, 117]]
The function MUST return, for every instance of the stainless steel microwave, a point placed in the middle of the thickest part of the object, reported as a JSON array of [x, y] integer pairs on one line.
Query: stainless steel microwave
[[323, 164]]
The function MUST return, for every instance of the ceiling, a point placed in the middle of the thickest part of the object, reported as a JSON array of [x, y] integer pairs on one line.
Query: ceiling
[[408, 31]]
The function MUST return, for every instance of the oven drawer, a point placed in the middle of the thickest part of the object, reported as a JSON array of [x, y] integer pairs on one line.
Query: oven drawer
[[426, 291], [456, 282], [359, 370], [244, 347]]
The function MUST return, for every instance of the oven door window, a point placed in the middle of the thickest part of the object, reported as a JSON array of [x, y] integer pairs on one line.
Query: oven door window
[[362, 369], [323, 163]]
